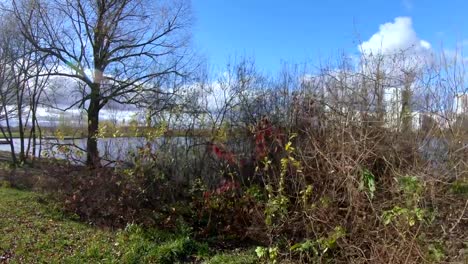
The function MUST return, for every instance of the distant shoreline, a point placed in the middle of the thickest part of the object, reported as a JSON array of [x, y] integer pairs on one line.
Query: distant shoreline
[[122, 134]]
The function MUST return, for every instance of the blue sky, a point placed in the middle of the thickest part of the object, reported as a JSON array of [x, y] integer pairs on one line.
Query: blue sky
[[313, 31]]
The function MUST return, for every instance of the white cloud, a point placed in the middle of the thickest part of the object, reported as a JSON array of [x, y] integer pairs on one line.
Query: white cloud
[[425, 44], [397, 48], [394, 37]]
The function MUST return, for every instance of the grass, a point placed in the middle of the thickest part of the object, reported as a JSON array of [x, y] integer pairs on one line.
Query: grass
[[34, 230], [234, 258]]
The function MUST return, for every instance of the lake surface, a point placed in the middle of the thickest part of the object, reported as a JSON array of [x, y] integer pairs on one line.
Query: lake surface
[[117, 148]]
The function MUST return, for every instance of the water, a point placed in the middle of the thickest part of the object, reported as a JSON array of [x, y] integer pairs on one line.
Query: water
[[111, 149]]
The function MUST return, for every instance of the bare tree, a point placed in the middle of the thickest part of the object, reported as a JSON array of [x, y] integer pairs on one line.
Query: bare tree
[[7, 98], [21, 88], [120, 50]]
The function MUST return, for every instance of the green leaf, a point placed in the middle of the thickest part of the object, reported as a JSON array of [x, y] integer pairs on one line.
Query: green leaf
[[368, 181], [261, 252]]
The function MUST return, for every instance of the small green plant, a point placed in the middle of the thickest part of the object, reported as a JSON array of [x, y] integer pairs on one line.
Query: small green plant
[[368, 182], [306, 194], [255, 192], [329, 242], [436, 252], [312, 250], [308, 250], [411, 187], [410, 213], [269, 254], [277, 204], [409, 216], [460, 187]]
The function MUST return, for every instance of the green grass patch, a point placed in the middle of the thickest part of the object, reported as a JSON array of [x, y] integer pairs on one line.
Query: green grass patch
[[34, 230], [243, 257]]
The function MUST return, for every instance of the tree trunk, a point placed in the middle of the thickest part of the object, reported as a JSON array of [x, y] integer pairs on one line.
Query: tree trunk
[[406, 117], [19, 103], [92, 158], [22, 156], [406, 111], [33, 135]]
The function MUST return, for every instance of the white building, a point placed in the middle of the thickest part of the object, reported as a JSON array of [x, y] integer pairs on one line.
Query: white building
[[461, 103]]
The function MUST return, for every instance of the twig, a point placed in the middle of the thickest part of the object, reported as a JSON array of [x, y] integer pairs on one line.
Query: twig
[[460, 218]]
